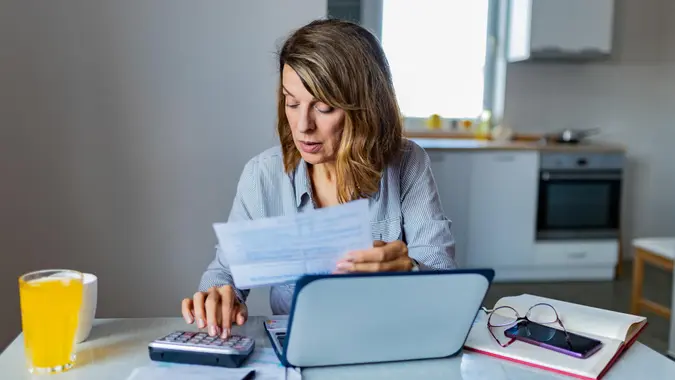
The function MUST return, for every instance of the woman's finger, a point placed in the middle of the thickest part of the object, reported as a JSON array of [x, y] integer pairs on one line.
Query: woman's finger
[[198, 308], [388, 252], [212, 305], [186, 309], [227, 308], [241, 314], [401, 264]]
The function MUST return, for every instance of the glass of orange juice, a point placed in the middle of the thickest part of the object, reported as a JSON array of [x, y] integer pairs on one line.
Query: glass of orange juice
[[50, 305]]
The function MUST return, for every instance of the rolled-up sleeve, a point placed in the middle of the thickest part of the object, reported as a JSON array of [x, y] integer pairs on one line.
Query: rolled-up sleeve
[[244, 207], [426, 228]]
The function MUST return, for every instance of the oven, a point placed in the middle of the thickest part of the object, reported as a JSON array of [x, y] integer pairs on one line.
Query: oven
[[579, 196]]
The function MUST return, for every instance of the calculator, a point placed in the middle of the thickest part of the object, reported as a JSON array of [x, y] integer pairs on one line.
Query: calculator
[[188, 347]]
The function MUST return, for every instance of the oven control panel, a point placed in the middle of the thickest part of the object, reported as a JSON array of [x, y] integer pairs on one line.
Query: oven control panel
[[581, 161]]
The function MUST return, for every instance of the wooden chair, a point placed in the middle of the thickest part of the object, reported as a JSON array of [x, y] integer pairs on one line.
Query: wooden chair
[[659, 252]]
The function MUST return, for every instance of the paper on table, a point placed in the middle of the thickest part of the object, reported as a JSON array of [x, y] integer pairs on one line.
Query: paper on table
[[194, 372], [277, 250], [263, 360]]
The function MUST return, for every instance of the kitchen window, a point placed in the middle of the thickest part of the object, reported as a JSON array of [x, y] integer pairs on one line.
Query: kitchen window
[[442, 52], [439, 55]]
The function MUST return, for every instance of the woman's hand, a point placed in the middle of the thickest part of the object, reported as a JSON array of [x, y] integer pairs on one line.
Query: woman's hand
[[383, 257], [216, 308]]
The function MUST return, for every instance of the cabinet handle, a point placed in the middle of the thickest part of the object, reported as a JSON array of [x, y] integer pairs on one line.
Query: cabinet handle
[[577, 255]]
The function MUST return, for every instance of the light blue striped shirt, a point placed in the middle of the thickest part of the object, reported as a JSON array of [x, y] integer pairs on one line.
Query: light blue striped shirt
[[406, 207]]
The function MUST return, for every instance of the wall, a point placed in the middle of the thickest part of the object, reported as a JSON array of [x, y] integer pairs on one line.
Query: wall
[[124, 126], [630, 97], [344, 9]]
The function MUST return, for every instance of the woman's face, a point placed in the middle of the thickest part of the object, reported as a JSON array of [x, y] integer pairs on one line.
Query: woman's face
[[316, 127]]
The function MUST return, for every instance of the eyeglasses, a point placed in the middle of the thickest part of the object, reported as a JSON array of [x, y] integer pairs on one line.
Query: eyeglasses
[[506, 316]]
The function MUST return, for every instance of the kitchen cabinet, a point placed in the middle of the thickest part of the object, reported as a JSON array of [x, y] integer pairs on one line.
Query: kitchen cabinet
[[491, 195], [502, 208], [560, 30], [451, 172]]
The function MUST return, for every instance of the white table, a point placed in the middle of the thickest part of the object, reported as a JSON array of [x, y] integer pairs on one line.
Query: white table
[[117, 346], [663, 247]]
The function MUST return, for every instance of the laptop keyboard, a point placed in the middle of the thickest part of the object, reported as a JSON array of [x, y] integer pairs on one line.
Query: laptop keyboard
[[281, 337]]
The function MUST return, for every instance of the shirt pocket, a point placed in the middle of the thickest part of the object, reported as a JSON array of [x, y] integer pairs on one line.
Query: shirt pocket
[[387, 230]]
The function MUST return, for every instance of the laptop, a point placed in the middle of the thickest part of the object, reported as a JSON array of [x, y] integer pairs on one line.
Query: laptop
[[378, 317]]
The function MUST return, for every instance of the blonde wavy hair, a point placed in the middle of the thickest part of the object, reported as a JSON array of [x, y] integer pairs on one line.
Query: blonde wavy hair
[[343, 65]]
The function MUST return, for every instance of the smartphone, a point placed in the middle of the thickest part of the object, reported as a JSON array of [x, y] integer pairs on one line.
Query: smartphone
[[554, 339]]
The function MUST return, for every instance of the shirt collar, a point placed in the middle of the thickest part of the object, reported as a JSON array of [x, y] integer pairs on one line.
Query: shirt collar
[[301, 182]]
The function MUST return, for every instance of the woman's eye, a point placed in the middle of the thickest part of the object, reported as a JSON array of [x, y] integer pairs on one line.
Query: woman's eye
[[324, 108], [292, 105]]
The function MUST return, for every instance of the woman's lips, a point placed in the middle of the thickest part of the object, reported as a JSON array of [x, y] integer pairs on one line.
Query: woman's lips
[[310, 147]]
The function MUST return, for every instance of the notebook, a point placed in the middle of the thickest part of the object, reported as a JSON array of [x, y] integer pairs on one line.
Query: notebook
[[617, 331]]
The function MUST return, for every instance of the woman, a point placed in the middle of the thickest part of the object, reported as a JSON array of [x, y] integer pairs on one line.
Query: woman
[[341, 140]]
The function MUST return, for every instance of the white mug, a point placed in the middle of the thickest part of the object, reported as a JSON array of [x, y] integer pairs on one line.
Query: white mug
[[88, 308]]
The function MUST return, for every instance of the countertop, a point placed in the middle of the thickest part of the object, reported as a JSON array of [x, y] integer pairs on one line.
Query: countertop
[[117, 346], [477, 144]]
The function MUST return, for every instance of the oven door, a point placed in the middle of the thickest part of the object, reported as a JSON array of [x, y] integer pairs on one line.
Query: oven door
[[579, 205]]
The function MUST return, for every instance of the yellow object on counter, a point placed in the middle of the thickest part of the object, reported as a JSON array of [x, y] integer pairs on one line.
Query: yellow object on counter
[[434, 122]]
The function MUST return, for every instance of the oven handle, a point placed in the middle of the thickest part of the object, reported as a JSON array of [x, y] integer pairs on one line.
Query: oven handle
[[548, 176]]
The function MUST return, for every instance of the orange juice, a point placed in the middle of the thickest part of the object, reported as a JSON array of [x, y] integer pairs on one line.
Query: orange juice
[[50, 304]]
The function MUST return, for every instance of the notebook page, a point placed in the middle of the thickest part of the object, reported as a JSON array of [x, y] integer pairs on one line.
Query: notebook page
[[582, 319], [480, 339]]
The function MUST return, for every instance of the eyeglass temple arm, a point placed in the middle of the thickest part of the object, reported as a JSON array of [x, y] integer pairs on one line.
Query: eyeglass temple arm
[[567, 335]]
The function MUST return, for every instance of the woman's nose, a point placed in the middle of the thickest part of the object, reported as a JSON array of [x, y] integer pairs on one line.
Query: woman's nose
[[305, 122]]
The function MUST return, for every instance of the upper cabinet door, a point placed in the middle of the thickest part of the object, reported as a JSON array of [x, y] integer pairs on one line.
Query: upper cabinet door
[[560, 29]]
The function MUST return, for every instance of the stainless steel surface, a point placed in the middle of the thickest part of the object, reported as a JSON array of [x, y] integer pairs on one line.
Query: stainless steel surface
[[602, 172], [581, 161], [597, 176]]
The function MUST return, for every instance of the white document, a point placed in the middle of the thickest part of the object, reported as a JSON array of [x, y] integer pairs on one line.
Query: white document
[[264, 361], [278, 250]]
